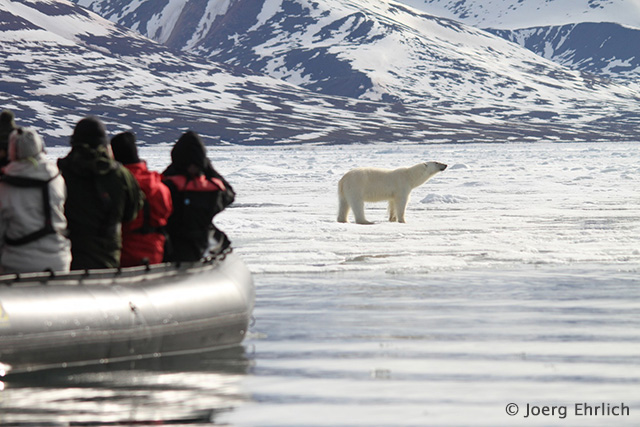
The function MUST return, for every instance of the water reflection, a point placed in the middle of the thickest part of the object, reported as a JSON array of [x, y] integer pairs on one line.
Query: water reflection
[[177, 390]]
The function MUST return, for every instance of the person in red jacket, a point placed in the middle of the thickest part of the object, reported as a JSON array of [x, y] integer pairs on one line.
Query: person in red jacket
[[198, 193], [143, 239]]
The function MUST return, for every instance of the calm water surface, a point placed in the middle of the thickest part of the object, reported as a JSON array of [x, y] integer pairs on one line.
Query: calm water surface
[[350, 349]]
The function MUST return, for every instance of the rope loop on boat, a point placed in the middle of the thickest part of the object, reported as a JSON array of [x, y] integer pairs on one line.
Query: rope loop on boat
[[52, 275], [225, 252]]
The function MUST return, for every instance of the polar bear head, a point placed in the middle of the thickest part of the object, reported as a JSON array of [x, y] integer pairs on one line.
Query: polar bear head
[[430, 169], [435, 167], [422, 172]]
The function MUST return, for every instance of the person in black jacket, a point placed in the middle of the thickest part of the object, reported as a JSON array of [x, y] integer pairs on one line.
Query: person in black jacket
[[101, 194], [198, 193]]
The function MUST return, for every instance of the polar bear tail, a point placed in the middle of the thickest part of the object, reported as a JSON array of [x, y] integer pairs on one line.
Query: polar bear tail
[[343, 210]]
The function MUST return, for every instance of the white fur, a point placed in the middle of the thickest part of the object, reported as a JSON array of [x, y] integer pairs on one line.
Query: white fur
[[375, 185]]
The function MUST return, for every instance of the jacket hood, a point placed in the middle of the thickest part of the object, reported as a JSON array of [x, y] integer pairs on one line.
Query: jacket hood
[[90, 131], [124, 148], [28, 160], [189, 150], [24, 143]]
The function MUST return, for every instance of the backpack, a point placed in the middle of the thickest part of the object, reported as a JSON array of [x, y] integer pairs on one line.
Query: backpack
[[17, 181]]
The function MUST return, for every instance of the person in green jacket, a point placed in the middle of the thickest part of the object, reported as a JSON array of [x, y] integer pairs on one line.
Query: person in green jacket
[[101, 194]]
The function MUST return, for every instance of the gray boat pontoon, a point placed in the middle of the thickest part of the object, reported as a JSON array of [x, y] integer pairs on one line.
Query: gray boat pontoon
[[100, 316]]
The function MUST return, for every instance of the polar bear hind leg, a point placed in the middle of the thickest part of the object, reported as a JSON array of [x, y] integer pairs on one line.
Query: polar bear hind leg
[[343, 210], [350, 200]]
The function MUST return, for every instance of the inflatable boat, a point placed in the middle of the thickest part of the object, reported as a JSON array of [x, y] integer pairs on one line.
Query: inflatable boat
[[50, 320]]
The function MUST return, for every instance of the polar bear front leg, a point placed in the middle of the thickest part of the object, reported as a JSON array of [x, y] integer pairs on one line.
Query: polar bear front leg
[[393, 216], [401, 206]]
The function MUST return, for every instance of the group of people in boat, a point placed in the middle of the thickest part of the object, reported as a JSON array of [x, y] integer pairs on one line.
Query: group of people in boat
[[100, 207]]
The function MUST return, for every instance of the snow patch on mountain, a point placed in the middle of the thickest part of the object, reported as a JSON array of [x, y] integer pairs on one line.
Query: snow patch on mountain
[[213, 10], [161, 25], [66, 26]]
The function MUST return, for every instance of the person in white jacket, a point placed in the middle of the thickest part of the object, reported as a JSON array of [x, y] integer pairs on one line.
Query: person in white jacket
[[32, 197]]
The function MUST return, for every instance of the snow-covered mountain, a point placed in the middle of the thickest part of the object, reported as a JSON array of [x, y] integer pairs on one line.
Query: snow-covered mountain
[[340, 71], [597, 36], [376, 50], [518, 14], [606, 49], [60, 63]]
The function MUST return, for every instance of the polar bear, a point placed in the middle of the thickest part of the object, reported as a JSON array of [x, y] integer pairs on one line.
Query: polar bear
[[375, 185]]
